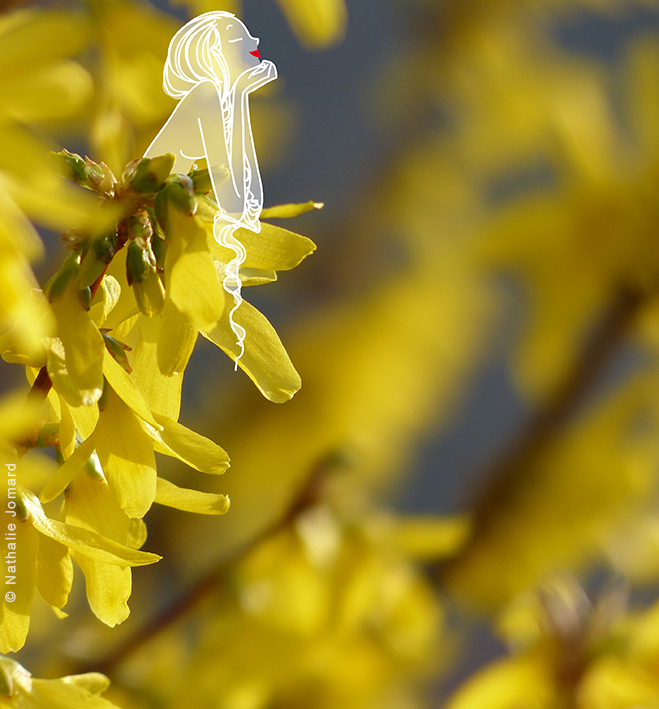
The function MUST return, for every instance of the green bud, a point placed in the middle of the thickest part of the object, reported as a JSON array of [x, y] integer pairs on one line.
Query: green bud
[[160, 210], [180, 194], [99, 178], [56, 286], [98, 255], [155, 226], [85, 297], [130, 169], [162, 166], [139, 261], [117, 351], [159, 248], [201, 180], [151, 173], [71, 165], [109, 181], [139, 226], [150, 295], [76, 238], [94, 174]]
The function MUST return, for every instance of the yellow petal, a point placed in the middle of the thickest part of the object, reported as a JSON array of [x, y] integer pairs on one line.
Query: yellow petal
[[66, 430], [273, 248], [80, 379], [125, 387], [54, 572], [19, 416], [162, 394], [93, 682], [176, 342], [286, 211], [33, 38], [56, 91], [85, 541], [67, 471], [33, 183], [190, 277], [203, 503], [251, 276], [15, 614], [190, 447], [265, 360], [110, 293], [125, 309], [91, 505], [125, 451], [86, 418], [508, 684], [65, 693]]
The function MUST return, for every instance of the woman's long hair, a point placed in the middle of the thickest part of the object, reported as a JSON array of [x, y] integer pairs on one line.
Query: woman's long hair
[[189, 56]]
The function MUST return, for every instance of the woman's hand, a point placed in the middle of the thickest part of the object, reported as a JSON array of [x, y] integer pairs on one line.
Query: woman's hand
[[255, 77]]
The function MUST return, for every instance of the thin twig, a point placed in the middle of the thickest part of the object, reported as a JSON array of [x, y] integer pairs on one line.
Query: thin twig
[[518, 458]]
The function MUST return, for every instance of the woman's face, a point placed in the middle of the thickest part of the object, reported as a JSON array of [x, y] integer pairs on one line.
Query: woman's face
[[240, 49]]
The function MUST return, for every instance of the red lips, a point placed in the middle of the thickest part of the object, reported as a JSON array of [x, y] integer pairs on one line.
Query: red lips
[[256, 54]]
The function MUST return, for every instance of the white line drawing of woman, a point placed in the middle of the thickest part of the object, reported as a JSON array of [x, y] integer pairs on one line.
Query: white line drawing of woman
[[213, 65]]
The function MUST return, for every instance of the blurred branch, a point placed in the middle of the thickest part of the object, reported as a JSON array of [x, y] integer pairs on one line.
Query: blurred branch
[[518, 458], [308, 495]]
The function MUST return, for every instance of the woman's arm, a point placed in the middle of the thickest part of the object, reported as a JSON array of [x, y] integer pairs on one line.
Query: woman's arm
[[244, 188]]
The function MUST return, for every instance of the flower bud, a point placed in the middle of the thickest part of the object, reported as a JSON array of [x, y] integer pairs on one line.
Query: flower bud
[[150, 295], [85, 297], [117, 351], [58, 283], [139, 261], [94, 174], [70, 165], [98, 255], [201, 180], [155, 226], [151, 173], [180, 194], [76, 238], [109, 181], [159, 247], [138, 226], [129, 171], [160, 210], [99, 178]]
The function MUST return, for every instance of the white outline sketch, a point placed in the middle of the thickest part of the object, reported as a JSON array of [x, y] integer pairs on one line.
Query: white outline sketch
[[212, 66]]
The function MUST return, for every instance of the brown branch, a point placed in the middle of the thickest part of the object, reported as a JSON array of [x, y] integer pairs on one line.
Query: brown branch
[[518, 458], [309, 494]]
